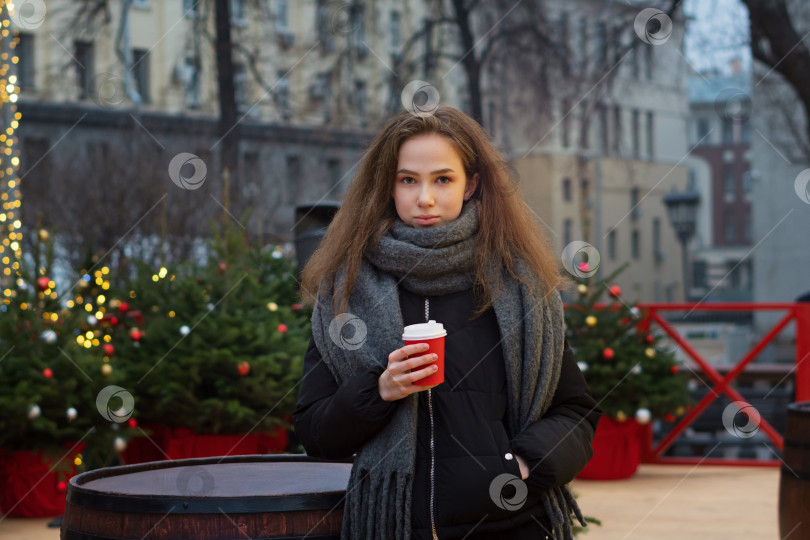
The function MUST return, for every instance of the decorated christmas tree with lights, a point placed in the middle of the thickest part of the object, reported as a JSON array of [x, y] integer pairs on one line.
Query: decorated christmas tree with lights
[[222, 344], [629, 372]]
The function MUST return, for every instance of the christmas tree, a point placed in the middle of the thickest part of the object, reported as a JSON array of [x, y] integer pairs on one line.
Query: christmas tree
[[222, 343], [628, 371]]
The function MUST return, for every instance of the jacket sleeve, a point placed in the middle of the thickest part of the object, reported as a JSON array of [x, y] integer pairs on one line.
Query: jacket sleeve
[[334, 421], [558, 446]]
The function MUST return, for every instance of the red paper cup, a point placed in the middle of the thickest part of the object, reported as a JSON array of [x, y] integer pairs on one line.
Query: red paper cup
[[433, 334]]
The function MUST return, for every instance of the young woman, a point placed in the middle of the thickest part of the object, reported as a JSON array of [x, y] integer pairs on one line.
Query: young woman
[[434, 227]]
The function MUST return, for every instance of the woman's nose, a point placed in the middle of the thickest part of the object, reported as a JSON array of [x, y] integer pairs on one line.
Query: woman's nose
[[425, 197]]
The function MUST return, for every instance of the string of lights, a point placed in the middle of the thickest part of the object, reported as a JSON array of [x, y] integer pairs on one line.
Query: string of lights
[[10, 195]]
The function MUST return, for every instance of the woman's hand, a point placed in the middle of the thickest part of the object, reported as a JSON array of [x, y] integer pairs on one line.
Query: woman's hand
[[396, 382], [524, 467]]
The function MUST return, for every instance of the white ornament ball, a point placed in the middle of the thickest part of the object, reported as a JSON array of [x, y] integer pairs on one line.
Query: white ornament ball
[[34, 411], [643, 416], [635, 312], [91, 320], [114, 427], [120, 444], [636, 370], [211, 307], [184, 330], [48, 336], [72, 413], [583, 366]]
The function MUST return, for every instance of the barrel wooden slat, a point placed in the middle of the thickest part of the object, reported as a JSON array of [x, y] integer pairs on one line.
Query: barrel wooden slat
[[259, 497], [794, 481]]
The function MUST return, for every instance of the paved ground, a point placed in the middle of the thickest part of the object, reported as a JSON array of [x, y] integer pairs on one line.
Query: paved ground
[[660, 502]]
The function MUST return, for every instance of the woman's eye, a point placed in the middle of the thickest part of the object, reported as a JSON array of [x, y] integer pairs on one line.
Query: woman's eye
[[444, 178], [406, 180]]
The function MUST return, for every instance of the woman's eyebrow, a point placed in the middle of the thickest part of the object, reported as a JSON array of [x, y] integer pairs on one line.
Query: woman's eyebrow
[[440, 171]]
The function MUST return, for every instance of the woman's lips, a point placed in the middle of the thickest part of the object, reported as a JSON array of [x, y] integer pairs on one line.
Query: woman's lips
[[426, 220]]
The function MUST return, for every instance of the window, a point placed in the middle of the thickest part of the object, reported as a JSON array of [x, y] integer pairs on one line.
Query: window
[[730, 234], [635, 200], [656, 234], [566, 123], [747, 229], [692, 183], [191, 77], [324, 26], [294, 178], [283, 94], [617, 130], [584, 131], [616, 44], [601, 45], [83, 60], [703, 131], [699, 274], [635, 244], [566, 184], [282, 15], [140, 72], [191, 8], [396, 32], [612, 245], [568, 230], [581, 48], [728, 179], [746, 131], [240, 85], [728, 132], [360, 99], [648, 60], [252, 176], [636, 61], [604, 131], [636, 134], [26, 67], [583, 186], [562, 26], [650, 135], [238, 12], [746, 181], [333, 172]]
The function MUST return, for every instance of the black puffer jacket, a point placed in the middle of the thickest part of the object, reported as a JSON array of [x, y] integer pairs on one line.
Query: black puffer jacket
[[466, 419]]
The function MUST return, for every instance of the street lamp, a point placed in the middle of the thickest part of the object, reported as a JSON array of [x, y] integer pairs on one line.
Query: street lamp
[[682, 210]]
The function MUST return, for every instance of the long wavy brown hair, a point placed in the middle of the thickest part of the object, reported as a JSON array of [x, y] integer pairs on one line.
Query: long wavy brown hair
[[507, 227]]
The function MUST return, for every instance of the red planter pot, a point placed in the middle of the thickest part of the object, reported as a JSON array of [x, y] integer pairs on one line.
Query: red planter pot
[[29, 482], [616, 450], [182, 443]]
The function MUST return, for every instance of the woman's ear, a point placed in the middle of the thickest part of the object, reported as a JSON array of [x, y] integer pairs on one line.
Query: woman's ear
[[472, 183]]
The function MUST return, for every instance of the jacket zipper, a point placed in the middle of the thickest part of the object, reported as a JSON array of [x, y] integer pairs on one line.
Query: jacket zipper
[[432, 453]]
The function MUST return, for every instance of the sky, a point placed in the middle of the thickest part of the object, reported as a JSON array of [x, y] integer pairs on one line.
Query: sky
[[716, 32]]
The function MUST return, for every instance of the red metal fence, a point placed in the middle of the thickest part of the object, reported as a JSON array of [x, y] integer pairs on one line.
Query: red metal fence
[[797, 312]]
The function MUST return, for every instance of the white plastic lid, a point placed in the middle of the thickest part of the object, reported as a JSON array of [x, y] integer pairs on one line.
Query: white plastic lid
[[428, 330]]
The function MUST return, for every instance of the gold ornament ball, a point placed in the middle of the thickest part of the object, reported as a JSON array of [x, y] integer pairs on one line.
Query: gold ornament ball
[[583, 289], [679, 411], [77, 461], [621, 417], [106, 369], [590, 320], [650, 352], [43, 235], [272, 306]]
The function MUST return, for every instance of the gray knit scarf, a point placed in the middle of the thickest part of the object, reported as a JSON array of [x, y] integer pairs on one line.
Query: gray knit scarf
[[431, 262]]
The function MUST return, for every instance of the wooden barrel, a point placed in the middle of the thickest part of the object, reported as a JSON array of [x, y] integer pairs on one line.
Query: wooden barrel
[[258, 496], [794, 482]]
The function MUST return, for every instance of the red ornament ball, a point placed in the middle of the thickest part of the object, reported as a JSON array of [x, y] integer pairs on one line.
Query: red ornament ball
[[132, 423], [109, 350], [608, 353], [244, 368], [583, 266], [48, 372], [674, 370], [669, 417], [282, 328], [296, 307], [42, 282], [222, 267], [135, 334], [61, 486], [650, 338], [123, 307], [114, 321], [615, 291]]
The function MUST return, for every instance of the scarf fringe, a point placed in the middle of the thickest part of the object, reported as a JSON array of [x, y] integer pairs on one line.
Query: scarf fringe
[[378, 500], [559, 504]]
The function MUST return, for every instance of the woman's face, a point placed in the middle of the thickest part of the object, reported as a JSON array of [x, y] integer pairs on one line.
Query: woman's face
[[431, 184]]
